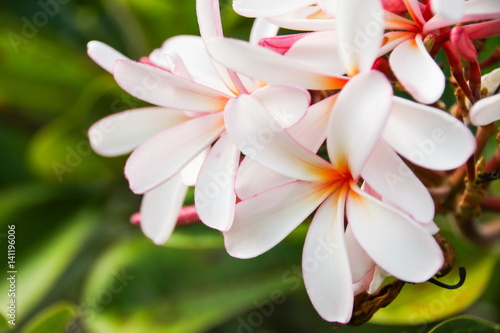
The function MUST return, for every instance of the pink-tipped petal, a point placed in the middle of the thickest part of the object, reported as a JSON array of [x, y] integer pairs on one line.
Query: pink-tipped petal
[[264, 8], [356, 123], [214, 193], [122, 132], [262, 28], [168, 152], [360, 26], [386, 172], [450, 10], [399, 245], [318, 50], [485, 111], [160, 208], [417, 71], [104, 55], [162, 88], [264, 220], [428, 136], [325, 262], [259, 136], [268, 66], [287, 104]]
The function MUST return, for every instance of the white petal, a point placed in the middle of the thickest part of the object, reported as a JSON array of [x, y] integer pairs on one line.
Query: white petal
[[257, 135], [451, 10], [268, 66], [325, 262], [386, 172], [262, 28], [310, 18], [485, 111], [264, 220], [287, 104], [356, 123], [162, 88], [318, 50], [427, 136], [263, 8], [168, 152], [360, 27], [214, 193], [417, 71], [378, 278], [104, 55], [191, 171], [481, 9], [122, 132], [160, 208], [399, 245], [359, 261]]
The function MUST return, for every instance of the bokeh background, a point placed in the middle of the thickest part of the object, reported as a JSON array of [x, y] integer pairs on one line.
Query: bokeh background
[[82, 266]]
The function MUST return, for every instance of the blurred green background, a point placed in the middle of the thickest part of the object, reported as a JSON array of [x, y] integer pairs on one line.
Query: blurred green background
[[82, 266]]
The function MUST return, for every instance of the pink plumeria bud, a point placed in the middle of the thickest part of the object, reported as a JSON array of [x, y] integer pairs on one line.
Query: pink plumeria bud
[[395, 6], [280, 44], [136, 218], [463, 44], [147, 61]]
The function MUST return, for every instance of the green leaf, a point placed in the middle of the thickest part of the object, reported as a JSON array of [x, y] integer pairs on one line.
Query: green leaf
[[466, 324], [52, 319], [140, 287], [195, 236], [425, 302], [47, 263], [4, 326]]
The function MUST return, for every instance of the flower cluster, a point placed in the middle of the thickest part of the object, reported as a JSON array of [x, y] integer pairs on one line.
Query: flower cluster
[[281, 128]]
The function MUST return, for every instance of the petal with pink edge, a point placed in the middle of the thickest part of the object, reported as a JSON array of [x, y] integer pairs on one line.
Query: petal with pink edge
[[427, 136], [264, 8], [214, 195], [264, 220], [360, 27], [417, 71], [318, 50], [104, 55], [160, 208], [485, 111], [268, 66], [122, 132], [386, 172], [325, 262], [169, 151], [359, 261], [157, 86], [287, 104], [399, 245], [259, 136], [357, 120]]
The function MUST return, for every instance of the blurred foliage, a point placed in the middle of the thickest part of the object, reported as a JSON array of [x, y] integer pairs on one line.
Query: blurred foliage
[[82, 267]]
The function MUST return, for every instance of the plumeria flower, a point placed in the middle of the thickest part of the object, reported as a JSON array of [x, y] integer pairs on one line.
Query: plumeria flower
[[487, 109], [181, 76]]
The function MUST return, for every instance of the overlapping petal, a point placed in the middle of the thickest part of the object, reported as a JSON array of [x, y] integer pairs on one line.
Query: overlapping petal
[[399, 245], [214, 193], [357, 120], [310, 18], [262, 28], [162, 88], [427, 136], [168, 152], [359, 261], [122, 132], [390, 177], [325, 262], [104, 55], [485, 111], [258, 135], [268, 66], [263, 221], [417, 71], [160, 208]]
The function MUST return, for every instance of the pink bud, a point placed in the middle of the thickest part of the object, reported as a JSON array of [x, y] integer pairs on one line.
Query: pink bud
[[463, 44], [281, 44]]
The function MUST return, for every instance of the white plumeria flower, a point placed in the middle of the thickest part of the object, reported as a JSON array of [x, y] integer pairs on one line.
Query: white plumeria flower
[[181, 76], [386, 236], [487, 109]]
